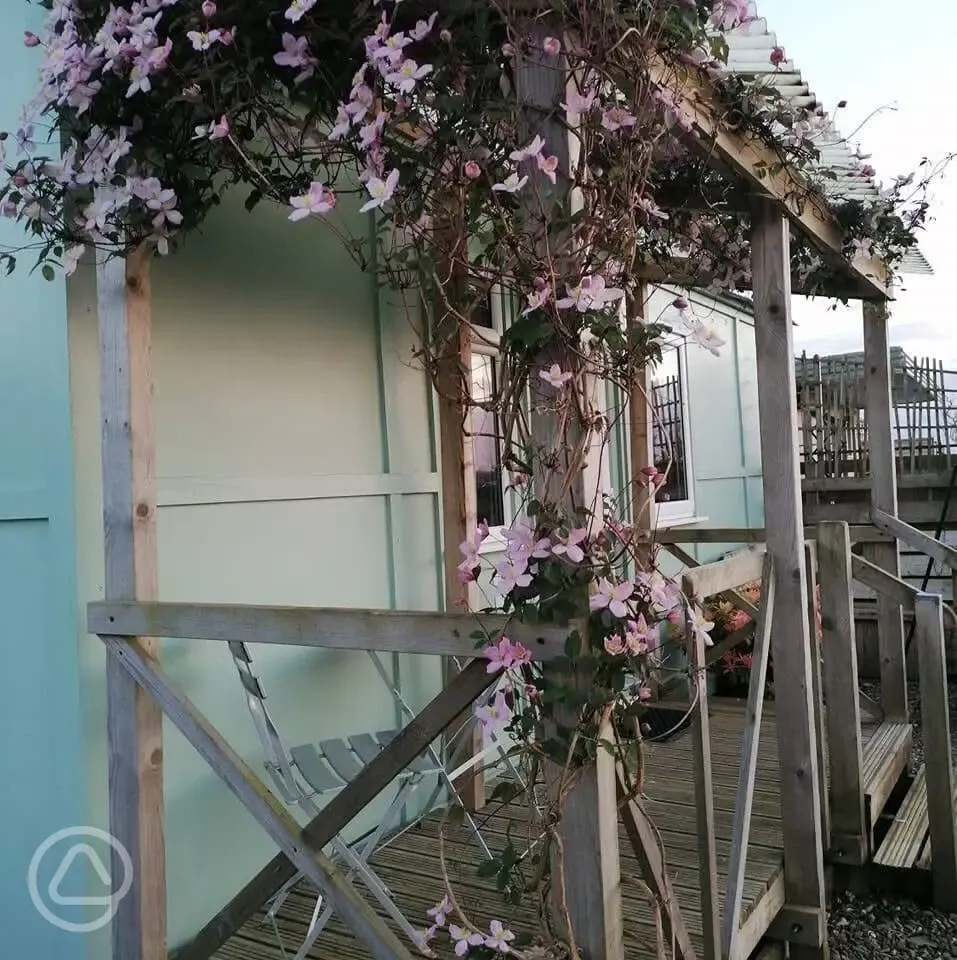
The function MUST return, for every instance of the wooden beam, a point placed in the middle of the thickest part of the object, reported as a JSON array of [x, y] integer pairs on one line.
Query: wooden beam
[[256, 797], [747, 156], [750, 738], [385, 630], [703, 789], [923, 514], [917, 540], [879, 580], [890, 624], [791, 641], [937, 749], [134, 721], [862, 532], [711, 579], [849, 832], [907, 481], [731, 596], [410, 743], [649, 852]]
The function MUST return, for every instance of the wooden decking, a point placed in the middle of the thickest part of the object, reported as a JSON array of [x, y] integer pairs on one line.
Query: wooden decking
[[409, 865]]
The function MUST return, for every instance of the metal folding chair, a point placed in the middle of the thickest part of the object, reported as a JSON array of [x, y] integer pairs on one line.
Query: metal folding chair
[[306, 774]]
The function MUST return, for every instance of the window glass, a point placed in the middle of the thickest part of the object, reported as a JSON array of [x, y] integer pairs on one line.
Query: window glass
[[489, 486], [670, 429]]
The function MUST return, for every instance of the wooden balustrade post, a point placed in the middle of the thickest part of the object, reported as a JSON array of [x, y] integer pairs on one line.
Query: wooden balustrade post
[[790, 637], [849, 832], [890, 623], [937, 747]]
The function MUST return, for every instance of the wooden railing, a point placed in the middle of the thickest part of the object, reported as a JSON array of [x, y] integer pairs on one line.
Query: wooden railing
[[119, 624]]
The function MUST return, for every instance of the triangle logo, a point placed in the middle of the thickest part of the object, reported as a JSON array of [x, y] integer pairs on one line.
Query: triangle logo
[[78, 850]]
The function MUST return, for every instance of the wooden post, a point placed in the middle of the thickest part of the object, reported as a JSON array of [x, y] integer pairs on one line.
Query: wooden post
[[591, 879], [849, 833], [703, 788], [817, 689], [937, 747], [459, 518], [134, 721], [790, 636], [890, 623]]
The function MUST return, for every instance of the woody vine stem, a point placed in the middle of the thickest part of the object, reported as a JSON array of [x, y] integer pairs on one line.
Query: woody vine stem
[[530, 150]]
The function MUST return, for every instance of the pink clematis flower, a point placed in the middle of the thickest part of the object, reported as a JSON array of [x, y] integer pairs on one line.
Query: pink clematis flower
[[499, 937], [554, 376], [491, 715], [500, 655], [208, 8], [777, 56], [706, 337], [568, 546], [423, 28], [639, 636], [408, 74], [522, 542], [381, 191], [617, 118], [538, 297], [728, 14], [612, 597], [614, 645], [440, 912], [204, 39], [464, 939], [577, 105], [298, 9], [548, 166], [512, 573], [318, 200], [472, 170], [529, 152], [511, 184], [552, 46]]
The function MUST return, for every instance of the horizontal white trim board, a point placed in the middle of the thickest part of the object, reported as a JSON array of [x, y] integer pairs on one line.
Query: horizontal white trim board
[[202, 491]]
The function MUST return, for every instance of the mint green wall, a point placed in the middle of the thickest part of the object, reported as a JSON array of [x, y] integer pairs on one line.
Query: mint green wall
[[40, 759], [723, 410], [295, 466]]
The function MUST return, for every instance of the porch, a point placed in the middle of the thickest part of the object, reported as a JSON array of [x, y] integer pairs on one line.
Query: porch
[[408, 863]]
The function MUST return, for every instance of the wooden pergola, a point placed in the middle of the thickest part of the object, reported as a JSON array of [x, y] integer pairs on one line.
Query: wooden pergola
[[139, 693]]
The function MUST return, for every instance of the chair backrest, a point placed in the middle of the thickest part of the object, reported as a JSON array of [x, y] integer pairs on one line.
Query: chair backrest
[[278, 761]]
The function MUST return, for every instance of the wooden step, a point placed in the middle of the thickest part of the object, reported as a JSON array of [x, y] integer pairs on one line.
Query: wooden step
[[885, 757], [908, 834], [925, 861]]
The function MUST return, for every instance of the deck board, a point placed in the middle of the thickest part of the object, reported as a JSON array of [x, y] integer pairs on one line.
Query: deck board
[[410, 864]]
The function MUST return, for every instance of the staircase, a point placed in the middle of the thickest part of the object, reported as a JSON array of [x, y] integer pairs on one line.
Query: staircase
[[909, 835]]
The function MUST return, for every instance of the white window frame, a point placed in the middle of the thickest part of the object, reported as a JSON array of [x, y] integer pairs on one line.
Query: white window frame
[[486, 341], [671, 512]]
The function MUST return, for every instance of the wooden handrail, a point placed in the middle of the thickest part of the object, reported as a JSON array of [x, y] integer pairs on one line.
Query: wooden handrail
[[445, 634]]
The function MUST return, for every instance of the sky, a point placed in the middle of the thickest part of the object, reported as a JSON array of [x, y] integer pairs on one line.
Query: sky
[[893, 58]]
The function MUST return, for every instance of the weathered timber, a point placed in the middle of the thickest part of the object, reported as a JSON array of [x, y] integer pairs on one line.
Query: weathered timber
[[715, 578], [935, 721], [385, 630], [791, 642], [883, 463], [737, 871], [843, 717], [134, 722], [256, 797]]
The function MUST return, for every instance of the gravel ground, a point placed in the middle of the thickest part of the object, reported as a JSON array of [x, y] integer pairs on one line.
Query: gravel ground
[[875, 927], [871, 928]]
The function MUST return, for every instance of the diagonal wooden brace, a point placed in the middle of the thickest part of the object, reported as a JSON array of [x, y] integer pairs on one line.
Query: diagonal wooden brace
[[409, 744]]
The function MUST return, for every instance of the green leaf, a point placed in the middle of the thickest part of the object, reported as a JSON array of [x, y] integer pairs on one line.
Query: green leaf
[[47, 272], [573, 645], [489, 868]]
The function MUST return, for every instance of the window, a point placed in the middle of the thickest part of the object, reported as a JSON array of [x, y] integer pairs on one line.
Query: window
[[671, 434], [487, 321]]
